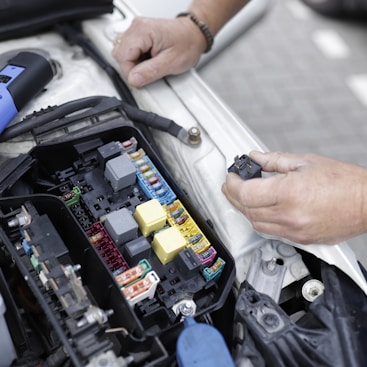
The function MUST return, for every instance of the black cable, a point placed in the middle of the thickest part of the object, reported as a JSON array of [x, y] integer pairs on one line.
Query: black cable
[[73, 34], [152, 119], [96, 105], [53, 113]]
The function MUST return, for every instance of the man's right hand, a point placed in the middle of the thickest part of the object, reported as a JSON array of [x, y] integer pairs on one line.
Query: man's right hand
[[153, 48]]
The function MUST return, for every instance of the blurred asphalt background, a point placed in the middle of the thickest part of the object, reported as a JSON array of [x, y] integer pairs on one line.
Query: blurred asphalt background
[[299, 81]]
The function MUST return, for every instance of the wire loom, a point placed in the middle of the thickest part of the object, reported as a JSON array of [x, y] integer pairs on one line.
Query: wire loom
[[54, 118]]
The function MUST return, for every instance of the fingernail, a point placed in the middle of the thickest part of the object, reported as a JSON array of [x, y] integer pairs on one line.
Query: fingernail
[[136, 80]]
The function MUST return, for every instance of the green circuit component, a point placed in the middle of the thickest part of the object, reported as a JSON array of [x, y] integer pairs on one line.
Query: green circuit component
[[72, 197], [35, 263]]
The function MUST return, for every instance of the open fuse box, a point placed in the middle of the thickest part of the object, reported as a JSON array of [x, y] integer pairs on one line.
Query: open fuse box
[[112, 254]]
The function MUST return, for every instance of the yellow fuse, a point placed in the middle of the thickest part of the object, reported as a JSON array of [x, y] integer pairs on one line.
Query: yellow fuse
[[150, 216], [173, 206], [200, 246], [167, 244]]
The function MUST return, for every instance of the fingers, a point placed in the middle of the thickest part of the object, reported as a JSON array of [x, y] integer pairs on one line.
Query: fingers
[[303, 202], [130, 52], [152, 49], [265, 210], [145, 72], [264, 218], [263, 192], [257, 192], [152, 69], [278, 162], [137, 65]]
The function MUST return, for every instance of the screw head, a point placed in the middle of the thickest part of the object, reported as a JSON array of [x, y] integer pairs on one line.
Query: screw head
[[312, 289], [194, 135]]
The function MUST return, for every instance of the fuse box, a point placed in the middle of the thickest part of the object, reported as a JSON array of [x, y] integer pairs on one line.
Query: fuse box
[[111, 259]]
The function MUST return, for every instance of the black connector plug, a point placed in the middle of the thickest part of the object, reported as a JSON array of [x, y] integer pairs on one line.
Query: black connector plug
[[245, 167]]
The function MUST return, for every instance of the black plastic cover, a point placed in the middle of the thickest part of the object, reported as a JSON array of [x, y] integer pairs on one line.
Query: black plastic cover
[[54, 169], [20, 18]]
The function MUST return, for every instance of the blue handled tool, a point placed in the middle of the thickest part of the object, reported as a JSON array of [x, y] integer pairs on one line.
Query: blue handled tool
[[21, 79], [202, 345]]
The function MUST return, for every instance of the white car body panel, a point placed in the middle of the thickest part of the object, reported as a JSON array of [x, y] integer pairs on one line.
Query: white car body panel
[[200, 170]]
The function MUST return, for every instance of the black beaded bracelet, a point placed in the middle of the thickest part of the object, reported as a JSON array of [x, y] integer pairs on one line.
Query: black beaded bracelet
[[202, 26]]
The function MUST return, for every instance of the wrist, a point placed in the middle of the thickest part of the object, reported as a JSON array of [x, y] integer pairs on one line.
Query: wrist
[[202, 26]]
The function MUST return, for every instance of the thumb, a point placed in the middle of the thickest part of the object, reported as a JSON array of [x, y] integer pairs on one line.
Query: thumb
[[278, 161], [150, 70], [144, 73]]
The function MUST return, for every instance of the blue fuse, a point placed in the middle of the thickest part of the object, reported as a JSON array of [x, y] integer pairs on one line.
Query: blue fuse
[[27, 249], [214, 272], [202, 345]]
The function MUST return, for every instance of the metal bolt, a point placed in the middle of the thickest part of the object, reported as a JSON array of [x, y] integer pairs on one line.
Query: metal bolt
[[186, 309], [194, 136], [271, 320], [312, 289], [271, 264]]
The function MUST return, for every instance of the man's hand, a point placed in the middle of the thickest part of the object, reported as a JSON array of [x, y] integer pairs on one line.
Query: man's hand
[[312, 199], [153, 48]]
